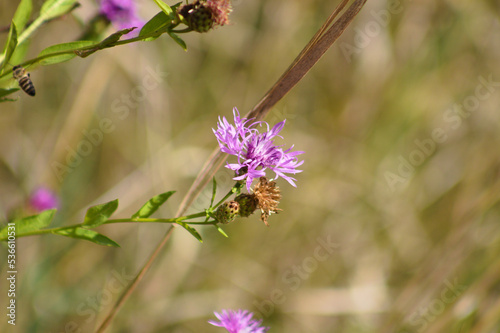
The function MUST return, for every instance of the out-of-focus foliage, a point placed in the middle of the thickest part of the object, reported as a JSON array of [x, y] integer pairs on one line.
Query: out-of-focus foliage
[[394, 226]]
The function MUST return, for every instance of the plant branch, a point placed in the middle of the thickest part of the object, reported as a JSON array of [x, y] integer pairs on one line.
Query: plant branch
[[112, 221]]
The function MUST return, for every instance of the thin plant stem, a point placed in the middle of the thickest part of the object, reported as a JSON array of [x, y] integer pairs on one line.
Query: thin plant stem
[[235, 189], [131, 287], [112, 221]]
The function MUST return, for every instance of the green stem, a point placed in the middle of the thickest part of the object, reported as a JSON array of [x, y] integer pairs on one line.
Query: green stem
[[183, 31], [235, 189], [213, 222], [111, 221]]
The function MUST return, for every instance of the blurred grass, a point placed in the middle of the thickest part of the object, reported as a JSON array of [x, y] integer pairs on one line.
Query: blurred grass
[[397, 250]]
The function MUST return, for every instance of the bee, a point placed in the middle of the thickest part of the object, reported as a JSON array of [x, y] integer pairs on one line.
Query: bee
[[23, 78]]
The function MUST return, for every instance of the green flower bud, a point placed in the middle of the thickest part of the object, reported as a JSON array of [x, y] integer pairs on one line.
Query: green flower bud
[[227, 212], [203, 15], [248, 204], [198, 17]]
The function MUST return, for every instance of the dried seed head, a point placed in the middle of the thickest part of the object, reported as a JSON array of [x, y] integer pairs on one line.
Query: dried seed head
[[227, 212], [268, 196]]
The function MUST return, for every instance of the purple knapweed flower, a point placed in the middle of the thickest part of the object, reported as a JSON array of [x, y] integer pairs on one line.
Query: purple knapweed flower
[[256, 151], [121, 12], [238, 322], [43, 198]]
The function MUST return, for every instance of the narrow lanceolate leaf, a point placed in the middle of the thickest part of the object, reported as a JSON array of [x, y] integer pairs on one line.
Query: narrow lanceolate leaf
[[99, 214], [113, 38], [107, 42], [177, 5], [20, 52], [32, 223], [86, 234], [5, 92], [178, 40], [53, 53], [22, 15], [55, 8], [158, 21], [10, 45], [191, 230], [152, 205], [221, 231], [165, 8]]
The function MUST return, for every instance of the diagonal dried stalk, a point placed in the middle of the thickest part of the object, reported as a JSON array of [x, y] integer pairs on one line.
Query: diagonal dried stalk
[[308, 57], [329, 32]]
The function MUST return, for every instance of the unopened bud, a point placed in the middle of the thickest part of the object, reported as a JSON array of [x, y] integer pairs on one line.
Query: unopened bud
[[227, 212], [248, 204], [203, 15]]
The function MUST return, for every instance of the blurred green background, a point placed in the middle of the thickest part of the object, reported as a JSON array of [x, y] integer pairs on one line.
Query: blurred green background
[[401, 177]]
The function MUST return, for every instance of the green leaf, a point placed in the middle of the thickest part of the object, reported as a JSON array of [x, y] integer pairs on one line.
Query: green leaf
[[191, 230], [5, 92], [178, 40], [107, 42], [99, 214], [55, 8], [165, 8], [113, 38], [23, 13], [86, 234], [177, 5], [221, 231], [158, 21], [86, 53], [11, 44], [64, 47], [32, 223], [152, 205], [20, 52]]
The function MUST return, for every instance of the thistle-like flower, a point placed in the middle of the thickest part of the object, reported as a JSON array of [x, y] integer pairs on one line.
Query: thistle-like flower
[[123, 13], [256, 151], [238, 322], [203, 15]]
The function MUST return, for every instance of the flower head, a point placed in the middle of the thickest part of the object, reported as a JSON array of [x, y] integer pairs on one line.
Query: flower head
[[121, 12], [266, 196], [203, 15], [42, 199], [256, 151], [238, 322]]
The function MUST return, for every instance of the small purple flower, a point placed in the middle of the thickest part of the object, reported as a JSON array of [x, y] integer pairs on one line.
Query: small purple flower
[[121, 12], [42, 199], [238, 322], [255, 151]]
